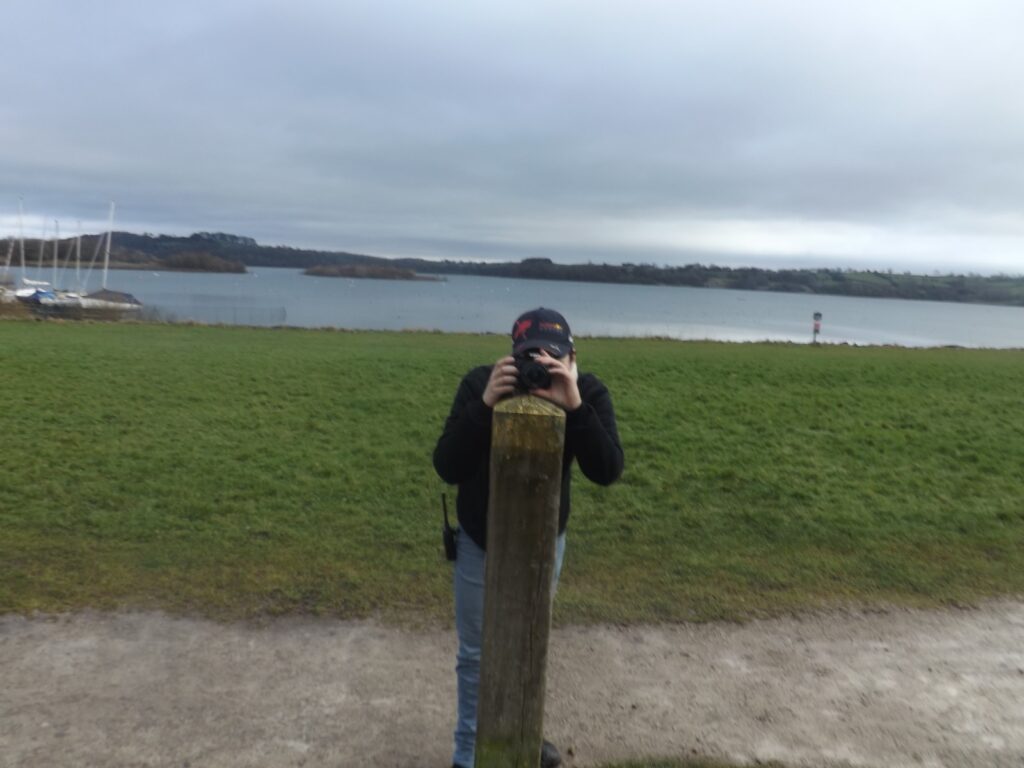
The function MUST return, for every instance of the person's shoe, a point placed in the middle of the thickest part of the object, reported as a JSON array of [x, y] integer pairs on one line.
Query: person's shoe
[[549, 755]]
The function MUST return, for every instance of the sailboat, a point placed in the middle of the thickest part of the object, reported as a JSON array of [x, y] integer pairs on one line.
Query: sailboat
[[105, 298], [10, 290], [44, 297], [30, 289], [43, 293], [7, 291]]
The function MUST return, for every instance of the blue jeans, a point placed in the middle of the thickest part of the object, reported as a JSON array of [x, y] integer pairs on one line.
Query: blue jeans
[[469, 624]]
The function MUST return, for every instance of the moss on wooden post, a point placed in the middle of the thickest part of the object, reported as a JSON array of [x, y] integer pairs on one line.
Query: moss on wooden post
[[527, 440]]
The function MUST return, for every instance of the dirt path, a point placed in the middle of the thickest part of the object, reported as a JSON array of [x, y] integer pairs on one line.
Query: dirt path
[[895, 689]]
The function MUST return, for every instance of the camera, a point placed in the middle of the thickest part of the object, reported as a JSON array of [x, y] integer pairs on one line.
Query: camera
[[530, 373]]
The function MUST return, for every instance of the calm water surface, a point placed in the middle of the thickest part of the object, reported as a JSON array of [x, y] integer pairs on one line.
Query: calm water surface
[[274, 296]]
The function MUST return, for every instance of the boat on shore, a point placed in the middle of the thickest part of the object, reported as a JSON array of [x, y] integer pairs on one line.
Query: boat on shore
[[106, 299], [8, 291], [44, 298]]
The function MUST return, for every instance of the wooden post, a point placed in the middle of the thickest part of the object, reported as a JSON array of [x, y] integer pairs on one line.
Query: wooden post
[[527, 439]]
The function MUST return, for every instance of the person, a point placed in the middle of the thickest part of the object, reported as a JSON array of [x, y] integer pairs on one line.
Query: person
[[462, 457]]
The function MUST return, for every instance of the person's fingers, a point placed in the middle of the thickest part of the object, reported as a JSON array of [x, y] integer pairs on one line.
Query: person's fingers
[[561, 372], [502, 379], [504, 364]]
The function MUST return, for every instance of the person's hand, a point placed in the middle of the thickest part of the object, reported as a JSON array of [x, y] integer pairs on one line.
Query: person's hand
[[564, 391], [502, 382]]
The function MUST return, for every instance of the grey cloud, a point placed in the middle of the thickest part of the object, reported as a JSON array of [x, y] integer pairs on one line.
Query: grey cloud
[[430, 128]]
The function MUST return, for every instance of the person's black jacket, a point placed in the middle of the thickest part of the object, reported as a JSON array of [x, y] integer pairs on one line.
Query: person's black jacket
[[463, 451]]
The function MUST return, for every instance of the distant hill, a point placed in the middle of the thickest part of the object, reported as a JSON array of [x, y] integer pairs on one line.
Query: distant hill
[[202, 251], [1001, 289], [128, 247], [217, 251]]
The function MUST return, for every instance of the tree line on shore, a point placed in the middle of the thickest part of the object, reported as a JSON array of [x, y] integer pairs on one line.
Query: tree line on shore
[[964, 288], [219, 252]]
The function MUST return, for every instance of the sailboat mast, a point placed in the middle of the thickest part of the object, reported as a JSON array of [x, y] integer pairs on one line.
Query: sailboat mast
[[106, 251], [78, 258], [56, 245], [40, 260], [21, 238]]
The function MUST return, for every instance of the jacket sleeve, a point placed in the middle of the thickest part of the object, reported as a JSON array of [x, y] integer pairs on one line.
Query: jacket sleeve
[[467, 431], [593, 436]]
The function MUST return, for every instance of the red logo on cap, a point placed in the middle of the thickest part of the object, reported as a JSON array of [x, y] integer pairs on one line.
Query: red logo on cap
[[522, 326]]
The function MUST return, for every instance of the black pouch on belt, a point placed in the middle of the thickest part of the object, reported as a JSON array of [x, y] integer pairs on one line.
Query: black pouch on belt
[[448, 534]]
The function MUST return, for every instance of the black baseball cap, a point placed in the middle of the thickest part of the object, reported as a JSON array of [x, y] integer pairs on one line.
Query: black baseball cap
[[542, 329]]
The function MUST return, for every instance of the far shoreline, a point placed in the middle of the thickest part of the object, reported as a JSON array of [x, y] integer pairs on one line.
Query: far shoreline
[[160, 267], [443, 277]]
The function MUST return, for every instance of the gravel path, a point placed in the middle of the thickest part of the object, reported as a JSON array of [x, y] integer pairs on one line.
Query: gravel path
[[901, 688]]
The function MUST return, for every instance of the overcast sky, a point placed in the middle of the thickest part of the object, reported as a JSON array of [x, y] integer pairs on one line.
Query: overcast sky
[[764, 132]]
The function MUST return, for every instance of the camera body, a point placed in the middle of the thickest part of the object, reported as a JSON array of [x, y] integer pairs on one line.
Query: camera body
[[530, 374]]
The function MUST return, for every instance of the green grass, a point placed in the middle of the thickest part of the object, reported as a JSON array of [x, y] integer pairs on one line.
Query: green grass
[[243, 472]]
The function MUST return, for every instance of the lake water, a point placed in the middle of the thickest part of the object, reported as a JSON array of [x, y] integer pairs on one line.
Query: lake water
[[274, 296]]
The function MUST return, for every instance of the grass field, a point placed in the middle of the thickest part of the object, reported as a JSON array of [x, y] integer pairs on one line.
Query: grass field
[[242, 472]]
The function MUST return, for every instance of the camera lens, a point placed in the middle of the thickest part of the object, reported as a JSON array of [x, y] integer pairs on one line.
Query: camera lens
[[536, 376], [532, 375]]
